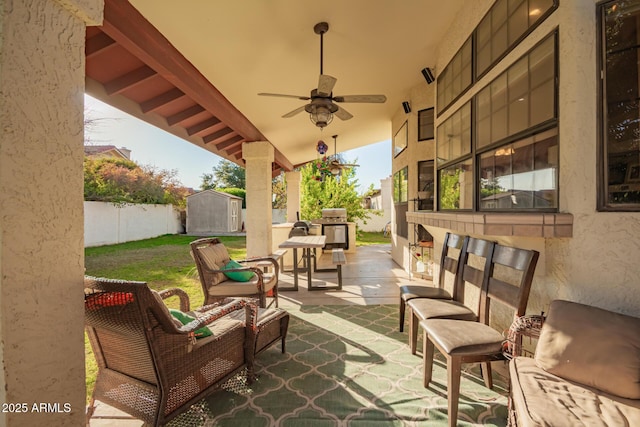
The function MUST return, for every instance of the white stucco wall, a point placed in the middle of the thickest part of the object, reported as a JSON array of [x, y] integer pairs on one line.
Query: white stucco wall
[[107, 224], [599, 264], [41, 210]]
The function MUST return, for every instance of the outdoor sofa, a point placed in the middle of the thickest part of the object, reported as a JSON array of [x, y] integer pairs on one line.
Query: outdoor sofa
[[585, 372]]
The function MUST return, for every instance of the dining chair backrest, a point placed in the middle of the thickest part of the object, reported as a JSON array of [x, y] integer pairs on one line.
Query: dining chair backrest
[[449, 261], [512, 288], [473, 270]]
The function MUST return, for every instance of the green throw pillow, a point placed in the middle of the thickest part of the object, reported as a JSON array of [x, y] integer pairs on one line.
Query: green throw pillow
[[238, 276], [185, 319]]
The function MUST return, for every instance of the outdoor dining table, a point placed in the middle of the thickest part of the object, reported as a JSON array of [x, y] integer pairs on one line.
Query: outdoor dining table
[[306, 243]]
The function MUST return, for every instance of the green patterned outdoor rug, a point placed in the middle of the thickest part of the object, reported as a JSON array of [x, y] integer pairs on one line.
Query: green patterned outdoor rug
[[349, 366]]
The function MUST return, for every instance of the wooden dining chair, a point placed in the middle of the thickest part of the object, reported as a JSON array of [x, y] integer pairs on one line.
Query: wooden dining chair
[[477, 342], [474, 263], [451, 249]]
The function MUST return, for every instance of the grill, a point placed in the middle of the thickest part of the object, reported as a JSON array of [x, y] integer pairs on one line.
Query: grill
[[334, 227]]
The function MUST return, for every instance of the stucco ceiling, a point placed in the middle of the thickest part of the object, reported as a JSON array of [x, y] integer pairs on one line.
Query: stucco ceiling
[[251, 46]]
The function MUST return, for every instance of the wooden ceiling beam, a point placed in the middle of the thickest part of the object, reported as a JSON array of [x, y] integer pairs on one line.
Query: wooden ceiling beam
[[203, 126], [183, 115], [228, 141], [126, 81], [127, 26], [97, 44], [218, 136], [161, 100]]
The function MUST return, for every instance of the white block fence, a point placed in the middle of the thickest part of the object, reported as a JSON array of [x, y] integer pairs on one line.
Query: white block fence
[[107, 224]]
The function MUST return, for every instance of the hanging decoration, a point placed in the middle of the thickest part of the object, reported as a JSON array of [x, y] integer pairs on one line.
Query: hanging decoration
[[322, 166], [321, 147]]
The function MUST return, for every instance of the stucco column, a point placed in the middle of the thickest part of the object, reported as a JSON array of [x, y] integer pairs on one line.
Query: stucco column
[[293, 195], [259, 157], [42, 63]]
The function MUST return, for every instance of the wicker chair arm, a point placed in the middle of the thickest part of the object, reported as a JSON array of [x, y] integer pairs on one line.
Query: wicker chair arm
[[185, 304], [216, 313], [270, 259]]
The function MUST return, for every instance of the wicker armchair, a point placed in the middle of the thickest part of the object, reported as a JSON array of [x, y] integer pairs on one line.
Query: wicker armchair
[[210, 256], [151, 366]]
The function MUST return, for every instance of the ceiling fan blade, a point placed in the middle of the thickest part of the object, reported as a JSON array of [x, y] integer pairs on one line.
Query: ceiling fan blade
[[375, 99], [326, 84], [279, 95], [294, 112], [343, 114]]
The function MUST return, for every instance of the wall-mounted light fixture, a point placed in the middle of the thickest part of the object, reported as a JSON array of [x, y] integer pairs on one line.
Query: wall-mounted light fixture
[[428, 75], [406, 106]]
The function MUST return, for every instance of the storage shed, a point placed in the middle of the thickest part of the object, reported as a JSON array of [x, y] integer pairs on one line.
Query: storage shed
[[210, 212]]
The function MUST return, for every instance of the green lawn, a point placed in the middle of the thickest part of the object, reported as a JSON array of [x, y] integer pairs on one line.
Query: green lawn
[[163, 262]]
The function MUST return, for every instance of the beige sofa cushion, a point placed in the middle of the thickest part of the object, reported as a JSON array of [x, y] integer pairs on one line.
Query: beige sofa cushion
[[543, 399], [592, 346], [214, 256]]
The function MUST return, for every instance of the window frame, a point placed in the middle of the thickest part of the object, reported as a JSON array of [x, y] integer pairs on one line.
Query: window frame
[[425, 111], [474, 156], [602, 187], [401, 139], [479, 75]]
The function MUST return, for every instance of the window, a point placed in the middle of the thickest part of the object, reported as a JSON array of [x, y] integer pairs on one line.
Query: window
[[504, 25], [400, 197], [425, 124], [512, 164], [619, 23], [454, 135], [425, 185], [456, 186], [400, 184], [456, 77], [522, 175], [400, 140], [518, 99]]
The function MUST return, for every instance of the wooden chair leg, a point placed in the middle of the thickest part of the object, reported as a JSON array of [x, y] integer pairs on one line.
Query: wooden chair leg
[[401, 316], [427, 359], [90, 410], [454, 368], [485, 368], [413, 331]]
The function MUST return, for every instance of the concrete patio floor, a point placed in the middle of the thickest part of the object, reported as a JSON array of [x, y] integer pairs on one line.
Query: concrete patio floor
[[369, 277]]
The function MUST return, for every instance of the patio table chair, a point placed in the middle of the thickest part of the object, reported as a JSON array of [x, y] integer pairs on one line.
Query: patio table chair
[[448, 264], [150, 365], [508, 284], [473, 267], [221, 278]]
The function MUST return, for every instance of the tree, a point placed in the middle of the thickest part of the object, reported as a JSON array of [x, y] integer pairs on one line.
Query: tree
[[225, 174], [330, 192], [123, 181], [279, 190], [238, 192]]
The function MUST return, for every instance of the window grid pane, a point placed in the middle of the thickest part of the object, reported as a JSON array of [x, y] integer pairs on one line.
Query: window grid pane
[[621, 145], [522, 175], [425, 124], [506, 22], [520, 98], [456, 77], [456, 186]]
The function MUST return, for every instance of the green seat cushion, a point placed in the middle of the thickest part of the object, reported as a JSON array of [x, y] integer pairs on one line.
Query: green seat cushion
[[238, 276], [185, 319]]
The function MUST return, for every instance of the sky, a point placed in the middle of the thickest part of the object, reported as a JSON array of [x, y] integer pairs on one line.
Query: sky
[[155, 147]]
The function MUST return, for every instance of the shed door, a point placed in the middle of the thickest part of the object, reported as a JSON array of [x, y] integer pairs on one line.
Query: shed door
[[234, 216]]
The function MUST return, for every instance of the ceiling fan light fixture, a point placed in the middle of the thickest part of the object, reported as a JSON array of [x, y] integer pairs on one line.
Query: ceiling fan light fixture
[[320, 115]]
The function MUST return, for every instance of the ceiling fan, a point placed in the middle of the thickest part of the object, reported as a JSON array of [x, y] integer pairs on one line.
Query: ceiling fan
[[322, 106], [336, 166]]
